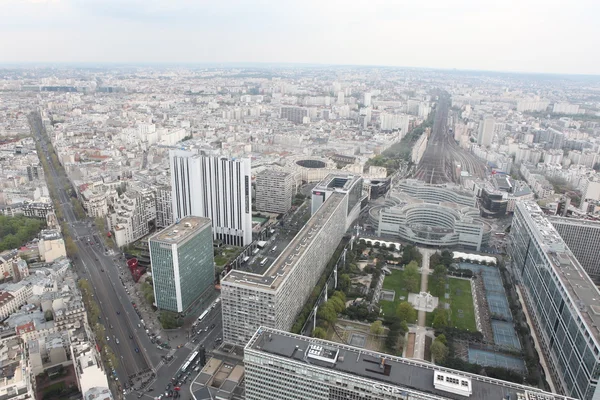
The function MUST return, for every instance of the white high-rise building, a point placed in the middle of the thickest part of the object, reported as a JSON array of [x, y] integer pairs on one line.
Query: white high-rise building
[[367, 99], [217, 188], [340, 98], [486, 131]]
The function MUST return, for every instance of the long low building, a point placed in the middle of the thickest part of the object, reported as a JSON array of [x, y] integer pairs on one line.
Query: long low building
[[280, 365], [276, 297]]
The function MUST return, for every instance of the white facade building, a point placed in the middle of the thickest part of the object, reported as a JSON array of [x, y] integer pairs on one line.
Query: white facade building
[[216, 188]]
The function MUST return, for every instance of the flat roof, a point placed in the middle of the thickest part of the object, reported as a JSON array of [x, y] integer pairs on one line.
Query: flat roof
[[180, 231], [575, 221], [398, 371], [579, 286], [286, 261]]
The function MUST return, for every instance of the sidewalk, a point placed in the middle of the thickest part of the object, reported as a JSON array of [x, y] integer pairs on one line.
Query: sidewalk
[[421, 330]]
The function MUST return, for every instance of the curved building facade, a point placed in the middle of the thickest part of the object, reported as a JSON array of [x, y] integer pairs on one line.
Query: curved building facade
[[437, 193], [431, 219]]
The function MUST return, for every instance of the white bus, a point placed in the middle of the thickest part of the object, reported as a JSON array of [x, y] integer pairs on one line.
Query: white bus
[[263, 262], [203, 315]]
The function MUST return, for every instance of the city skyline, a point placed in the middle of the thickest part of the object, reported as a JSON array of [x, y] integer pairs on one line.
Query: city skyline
[[523, 39]]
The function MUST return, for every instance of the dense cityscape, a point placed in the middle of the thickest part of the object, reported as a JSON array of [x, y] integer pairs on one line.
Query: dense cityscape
[[295, 232]]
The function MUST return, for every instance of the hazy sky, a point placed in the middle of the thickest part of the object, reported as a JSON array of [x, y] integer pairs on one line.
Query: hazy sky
[[505, 35]]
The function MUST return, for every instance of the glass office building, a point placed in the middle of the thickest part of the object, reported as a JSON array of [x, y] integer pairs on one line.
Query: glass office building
[[182, 263], [562, 300]]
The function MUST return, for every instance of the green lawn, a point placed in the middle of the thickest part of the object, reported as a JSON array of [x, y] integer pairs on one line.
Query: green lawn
[[227, 254], [461, 298], [394, 282]]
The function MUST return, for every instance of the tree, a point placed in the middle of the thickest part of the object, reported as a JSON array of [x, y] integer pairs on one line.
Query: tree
[[340, 295], [170, 320], [344, 283], [337, 304], [406, 312], [377, 328], [327, 313], [70, 246], [440, 319], [48, 315], [442, 338], [446, 258], [438, 280], [319, 332], [439, 351], [411, 277]]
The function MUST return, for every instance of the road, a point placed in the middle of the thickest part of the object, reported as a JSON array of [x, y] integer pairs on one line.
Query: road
[[102, 269], [166, 371]]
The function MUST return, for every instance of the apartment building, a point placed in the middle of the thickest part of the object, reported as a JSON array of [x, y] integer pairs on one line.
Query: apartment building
[[274, 191]]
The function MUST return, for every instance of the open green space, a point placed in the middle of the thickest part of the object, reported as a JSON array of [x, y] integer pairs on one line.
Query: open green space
[[461, 298], [226, 254], [17, 231], [395, 281]]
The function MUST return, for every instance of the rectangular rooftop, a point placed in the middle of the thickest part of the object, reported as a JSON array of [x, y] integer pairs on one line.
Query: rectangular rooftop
[[278, 271], [397, 371], [180, 231]]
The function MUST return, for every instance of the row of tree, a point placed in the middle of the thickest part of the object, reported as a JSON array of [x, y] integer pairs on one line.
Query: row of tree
[[327, 313]]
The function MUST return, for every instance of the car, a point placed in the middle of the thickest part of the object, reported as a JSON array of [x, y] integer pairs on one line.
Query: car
[[130, 336], [118, 312], [117, 340], [137, 350], [102, 269], [107, 339], [150, 389]]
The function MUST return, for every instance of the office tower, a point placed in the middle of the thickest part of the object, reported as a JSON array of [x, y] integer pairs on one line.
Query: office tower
[[182, 263], [562, 301], [275, 297], [216, 188], [486, 131], [279, 365], [340, 98], [583, 238], [274, 191], [294, 114]]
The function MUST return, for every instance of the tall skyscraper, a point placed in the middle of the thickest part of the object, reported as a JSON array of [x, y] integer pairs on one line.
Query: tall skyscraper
[[562, 300], [216, 188], [279, 365], [486, 131], [182, 263]]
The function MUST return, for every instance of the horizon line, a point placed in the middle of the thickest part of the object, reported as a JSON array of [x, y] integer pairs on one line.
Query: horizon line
[[270, 64]]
